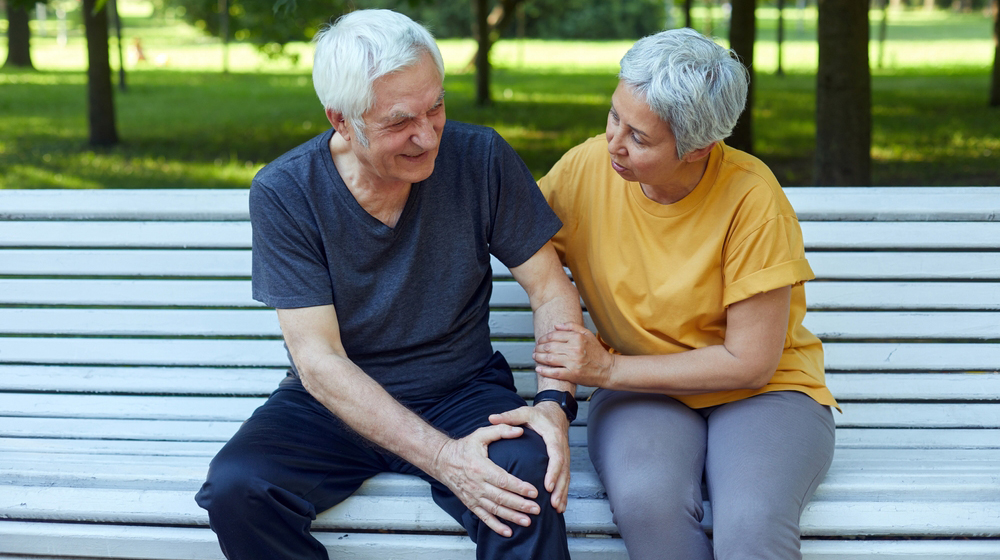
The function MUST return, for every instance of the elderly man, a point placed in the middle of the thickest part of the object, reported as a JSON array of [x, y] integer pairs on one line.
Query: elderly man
[[373, 242]]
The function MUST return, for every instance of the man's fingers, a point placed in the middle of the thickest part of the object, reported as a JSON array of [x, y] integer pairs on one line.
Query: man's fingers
[[500, 430], [492, 522], [514, 417]]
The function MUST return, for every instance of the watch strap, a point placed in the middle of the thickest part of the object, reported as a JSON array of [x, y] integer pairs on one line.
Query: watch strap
[[565, 400]]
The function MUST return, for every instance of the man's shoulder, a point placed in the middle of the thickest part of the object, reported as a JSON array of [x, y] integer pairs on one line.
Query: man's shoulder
[[290, 163], [465, 135]]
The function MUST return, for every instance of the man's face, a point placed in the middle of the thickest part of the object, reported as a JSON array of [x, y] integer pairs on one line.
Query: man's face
[[405, 125]]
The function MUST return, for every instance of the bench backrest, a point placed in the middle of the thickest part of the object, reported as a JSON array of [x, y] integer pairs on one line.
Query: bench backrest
[[133, 294]]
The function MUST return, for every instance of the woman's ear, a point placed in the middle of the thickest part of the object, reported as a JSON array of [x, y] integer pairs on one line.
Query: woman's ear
[[695, 155]]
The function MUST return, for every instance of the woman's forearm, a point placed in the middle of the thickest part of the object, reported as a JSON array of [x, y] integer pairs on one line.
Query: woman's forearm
[[704, 370]]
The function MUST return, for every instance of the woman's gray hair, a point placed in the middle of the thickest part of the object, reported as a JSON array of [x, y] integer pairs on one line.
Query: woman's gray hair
[[697, 87], [359, 48]]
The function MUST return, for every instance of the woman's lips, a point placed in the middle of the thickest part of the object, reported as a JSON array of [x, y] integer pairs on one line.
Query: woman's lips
[[617, 167]]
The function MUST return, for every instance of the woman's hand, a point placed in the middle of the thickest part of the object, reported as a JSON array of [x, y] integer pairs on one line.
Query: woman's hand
[[572, 353]]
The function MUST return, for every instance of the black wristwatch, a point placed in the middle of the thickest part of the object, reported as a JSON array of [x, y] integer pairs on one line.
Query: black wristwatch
[[565, 399]]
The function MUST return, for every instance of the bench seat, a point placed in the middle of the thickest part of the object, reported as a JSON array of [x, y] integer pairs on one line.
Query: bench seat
[[131, 350]]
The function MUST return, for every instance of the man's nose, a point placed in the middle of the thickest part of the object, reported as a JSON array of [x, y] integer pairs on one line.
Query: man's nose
[[425, 136]]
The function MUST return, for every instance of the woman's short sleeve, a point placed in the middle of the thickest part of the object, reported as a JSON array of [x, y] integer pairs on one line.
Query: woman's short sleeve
[[770, 257]]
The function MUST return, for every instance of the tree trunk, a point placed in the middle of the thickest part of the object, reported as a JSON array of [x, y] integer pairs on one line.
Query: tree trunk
[[118, 43], [687, 13], [843, 95], [100, 94], [781, 36], [742, 32], [481, 32], [18, 36], [883, 32], [995, 80]]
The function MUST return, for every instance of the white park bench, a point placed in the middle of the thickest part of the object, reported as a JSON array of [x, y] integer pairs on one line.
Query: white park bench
[[131, 350]]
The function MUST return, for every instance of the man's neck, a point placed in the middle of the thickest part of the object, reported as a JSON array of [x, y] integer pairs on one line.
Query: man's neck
[[383, 200]]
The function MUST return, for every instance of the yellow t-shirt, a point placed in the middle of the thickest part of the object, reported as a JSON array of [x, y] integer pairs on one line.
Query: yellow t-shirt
[[657, 278]]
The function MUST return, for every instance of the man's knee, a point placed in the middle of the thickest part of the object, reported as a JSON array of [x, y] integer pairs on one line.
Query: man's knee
[[525, 457], [237, 490]]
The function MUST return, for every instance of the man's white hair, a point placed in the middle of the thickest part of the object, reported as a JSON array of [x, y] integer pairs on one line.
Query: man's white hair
[[359, 48]]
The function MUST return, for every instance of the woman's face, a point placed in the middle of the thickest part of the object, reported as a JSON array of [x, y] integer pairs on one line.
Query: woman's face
[[642, 146]]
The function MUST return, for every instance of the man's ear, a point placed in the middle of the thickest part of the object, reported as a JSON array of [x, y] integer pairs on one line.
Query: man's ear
[[695, 155], [339, 123]]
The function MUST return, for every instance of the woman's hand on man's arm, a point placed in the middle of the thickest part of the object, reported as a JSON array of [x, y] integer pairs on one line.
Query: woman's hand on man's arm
[[747, 359]]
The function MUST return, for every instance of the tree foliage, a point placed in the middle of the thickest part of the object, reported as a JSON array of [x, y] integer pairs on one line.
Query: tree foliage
[[262, 22], [272, 23]]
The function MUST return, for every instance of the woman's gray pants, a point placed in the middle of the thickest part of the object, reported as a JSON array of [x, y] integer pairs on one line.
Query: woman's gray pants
[[761, 459]]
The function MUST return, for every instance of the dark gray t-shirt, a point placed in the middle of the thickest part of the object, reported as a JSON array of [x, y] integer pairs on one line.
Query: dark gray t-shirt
[[412, 301]]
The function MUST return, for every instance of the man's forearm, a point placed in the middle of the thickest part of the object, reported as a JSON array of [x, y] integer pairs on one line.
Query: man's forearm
[[561, 306], [364, 405]]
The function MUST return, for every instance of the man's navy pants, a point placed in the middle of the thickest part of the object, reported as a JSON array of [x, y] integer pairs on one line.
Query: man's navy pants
[[293, 459]]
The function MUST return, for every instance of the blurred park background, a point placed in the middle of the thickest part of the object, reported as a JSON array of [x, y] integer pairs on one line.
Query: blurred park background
[[204, 101]]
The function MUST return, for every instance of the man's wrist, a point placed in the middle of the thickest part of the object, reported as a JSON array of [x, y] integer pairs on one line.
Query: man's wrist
[[565, 400]]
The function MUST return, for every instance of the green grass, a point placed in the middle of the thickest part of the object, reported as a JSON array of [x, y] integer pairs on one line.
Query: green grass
[[185, 124]]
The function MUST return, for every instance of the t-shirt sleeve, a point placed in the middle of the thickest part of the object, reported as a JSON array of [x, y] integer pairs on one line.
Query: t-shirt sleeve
[[522, 221], [289, 266], [770, 257], [559, 186]]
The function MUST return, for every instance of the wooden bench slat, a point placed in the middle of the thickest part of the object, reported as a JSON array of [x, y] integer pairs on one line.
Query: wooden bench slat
[[828, 325], [237, 409], [190, 543], [902, 443], [122, 234], [895, 203], [72, 429], [939, 480], [840, 356], [149, 234], [360, 512], [261, 381], [236, 264], [148, 380], [914, 387], [125, 204], [903, 295], [810, 203], [873, 456], [196, 543], [901, 236], [821, 295], [120, 447], [125, 262]]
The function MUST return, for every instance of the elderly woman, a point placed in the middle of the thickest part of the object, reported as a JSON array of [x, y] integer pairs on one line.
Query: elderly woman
[[690, 260]]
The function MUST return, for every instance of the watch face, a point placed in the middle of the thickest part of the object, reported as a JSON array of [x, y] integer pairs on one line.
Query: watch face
[[565, 400]]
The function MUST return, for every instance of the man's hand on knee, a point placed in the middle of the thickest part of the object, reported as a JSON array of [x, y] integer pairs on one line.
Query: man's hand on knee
[[491, 493], [550, 422]]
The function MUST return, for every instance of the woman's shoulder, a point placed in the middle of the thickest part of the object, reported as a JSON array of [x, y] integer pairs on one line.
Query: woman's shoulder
[[751, 181]]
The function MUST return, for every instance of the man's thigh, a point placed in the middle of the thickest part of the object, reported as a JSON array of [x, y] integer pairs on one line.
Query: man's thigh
[[468, 408], [294, 443]]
